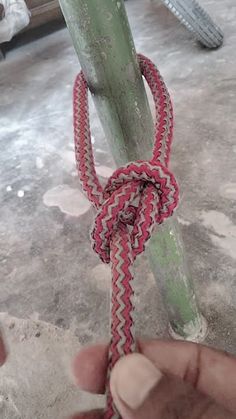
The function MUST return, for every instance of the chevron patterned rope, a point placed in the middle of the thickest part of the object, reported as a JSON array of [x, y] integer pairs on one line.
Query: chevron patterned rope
[[136, 197]]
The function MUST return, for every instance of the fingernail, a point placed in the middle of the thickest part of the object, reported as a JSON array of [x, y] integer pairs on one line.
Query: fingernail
[[132, 379]]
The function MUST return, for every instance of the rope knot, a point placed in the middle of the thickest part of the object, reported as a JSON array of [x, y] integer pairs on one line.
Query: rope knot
[[139, 194]]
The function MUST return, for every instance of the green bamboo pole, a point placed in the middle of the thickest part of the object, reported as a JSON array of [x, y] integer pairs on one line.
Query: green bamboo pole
[[103, 41]]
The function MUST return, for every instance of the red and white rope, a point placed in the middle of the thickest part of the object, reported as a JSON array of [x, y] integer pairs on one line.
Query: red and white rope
[[122, 228]]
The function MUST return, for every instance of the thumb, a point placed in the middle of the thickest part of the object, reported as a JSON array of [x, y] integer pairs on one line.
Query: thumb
[[132, 380]]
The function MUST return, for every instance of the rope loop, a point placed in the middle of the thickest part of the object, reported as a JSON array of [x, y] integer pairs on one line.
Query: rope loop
[[138, 194]]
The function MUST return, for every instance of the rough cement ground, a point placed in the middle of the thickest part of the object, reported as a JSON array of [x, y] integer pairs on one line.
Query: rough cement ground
[[48, 271], [37, 382]]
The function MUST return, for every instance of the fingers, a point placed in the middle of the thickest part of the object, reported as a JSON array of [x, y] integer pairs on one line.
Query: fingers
[[3, 352], [141, 391], [209, 371], [90, 368], [132, 380]]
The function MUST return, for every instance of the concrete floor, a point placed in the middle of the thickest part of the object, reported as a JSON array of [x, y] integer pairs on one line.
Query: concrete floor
[[50, 278]]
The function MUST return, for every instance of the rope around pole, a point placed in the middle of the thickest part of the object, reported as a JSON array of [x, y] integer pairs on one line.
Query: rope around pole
[[136, 197]]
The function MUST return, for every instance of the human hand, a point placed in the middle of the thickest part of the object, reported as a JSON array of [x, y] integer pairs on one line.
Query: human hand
[[3, 353], [165, 380]]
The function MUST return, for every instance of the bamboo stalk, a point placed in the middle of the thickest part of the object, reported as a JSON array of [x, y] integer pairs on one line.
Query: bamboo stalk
[[103, 41]]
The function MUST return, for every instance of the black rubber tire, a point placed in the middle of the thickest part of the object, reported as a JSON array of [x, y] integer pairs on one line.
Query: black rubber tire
[[197, 20]]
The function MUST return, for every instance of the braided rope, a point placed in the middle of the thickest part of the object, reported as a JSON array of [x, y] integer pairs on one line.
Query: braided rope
[[121, 229]]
